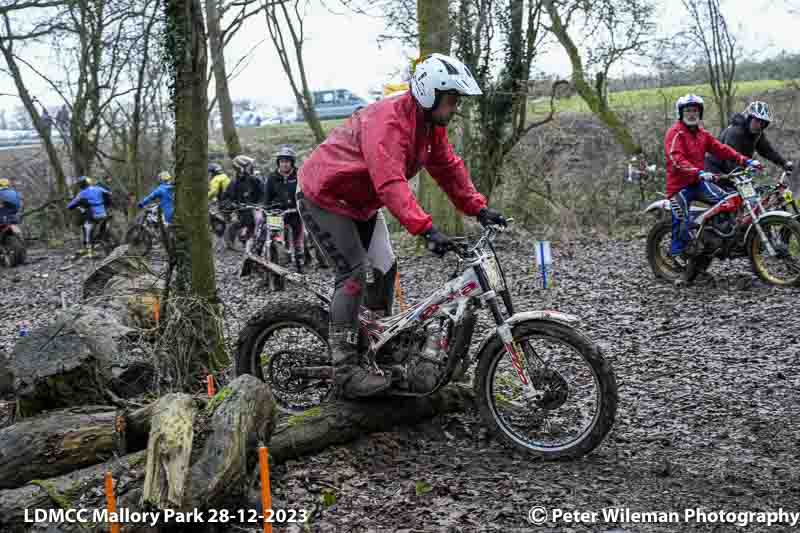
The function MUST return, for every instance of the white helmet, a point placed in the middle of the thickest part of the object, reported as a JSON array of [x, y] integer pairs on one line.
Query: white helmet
[[439, 72], [758, 110], [686, 100]]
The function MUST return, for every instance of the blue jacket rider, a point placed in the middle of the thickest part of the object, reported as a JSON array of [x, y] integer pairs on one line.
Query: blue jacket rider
[[94, 196], [165, 194], [10, 203]]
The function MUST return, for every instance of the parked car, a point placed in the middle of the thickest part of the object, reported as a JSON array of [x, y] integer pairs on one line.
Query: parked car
[[335, 103]]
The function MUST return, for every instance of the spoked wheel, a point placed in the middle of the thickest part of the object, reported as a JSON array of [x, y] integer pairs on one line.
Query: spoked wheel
[[287, 335], [659, 245], [783, 268], [570, 403]]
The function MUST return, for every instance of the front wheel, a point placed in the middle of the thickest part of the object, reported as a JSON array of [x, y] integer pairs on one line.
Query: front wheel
[[783, 234], [570, 402]]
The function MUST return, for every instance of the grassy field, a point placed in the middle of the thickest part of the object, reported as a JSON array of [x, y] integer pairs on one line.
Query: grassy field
[[652, 98], [299, 134]]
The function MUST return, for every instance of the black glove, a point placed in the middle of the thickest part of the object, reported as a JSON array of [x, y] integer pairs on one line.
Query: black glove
[[438, 242], [488, 216]]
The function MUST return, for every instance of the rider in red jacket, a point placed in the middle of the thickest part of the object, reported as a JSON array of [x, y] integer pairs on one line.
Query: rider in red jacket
[[685, 147], [365, 164]]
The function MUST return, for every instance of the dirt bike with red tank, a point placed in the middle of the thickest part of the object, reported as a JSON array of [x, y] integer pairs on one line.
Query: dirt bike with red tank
[[12, 245], [742, 224], [540, 384]]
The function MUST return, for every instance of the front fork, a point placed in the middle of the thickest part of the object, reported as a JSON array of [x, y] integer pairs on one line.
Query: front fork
[[760, 230], [520, 357]]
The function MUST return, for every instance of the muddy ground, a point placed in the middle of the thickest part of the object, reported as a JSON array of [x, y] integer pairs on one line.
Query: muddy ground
[[708, 403]]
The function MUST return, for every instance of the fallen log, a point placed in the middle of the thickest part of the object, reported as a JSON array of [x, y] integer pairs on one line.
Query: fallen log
[[80, 489], [243, 417], [169, 449], [341, 422], [58, 442]]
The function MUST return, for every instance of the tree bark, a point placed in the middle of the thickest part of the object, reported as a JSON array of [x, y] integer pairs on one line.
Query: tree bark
[[169, 449], [342, 422], [193, 253], [434, 36], [62, 441], [65, 491], [221, 78]]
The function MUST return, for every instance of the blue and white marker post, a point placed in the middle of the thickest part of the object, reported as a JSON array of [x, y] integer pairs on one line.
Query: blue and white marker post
[[544, 259]]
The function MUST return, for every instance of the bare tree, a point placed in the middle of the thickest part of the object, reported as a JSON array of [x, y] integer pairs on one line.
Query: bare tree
[[48, 21], [617, 29], [279, 22], [223, 96], [710, 36]]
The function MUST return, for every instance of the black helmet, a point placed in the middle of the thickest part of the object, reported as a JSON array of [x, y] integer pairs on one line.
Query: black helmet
[[84, 181], [285, 152]]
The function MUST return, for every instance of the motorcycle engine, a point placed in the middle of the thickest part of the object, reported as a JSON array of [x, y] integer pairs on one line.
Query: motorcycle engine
[[420, 373], [401, 348], [717, 230]]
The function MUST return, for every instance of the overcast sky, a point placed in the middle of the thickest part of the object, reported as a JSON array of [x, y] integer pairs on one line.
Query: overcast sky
[[341, 51]]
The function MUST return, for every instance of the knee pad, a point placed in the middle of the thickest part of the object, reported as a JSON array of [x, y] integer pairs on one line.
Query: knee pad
[[352, 281]]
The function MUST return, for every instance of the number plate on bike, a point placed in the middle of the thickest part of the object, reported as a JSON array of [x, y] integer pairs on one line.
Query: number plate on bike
[[493, 274], [748, 191], [274, 222]]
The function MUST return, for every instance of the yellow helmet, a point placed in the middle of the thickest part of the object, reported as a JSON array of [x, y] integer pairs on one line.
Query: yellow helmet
[[165, 177], [5, 183]]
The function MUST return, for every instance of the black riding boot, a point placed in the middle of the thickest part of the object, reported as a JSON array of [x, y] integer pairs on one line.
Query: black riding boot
[[351, 379]]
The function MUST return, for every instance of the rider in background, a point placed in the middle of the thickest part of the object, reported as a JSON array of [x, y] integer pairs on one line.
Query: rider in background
[[245, 189], [165, 194], [746, 133], [95, 200], [10, 203], [365, 164], [685, 146], [219, 182], [281, 190]]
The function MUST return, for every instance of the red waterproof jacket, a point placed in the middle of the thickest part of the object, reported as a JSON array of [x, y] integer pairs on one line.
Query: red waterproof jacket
[[366, 163], [685, 149]]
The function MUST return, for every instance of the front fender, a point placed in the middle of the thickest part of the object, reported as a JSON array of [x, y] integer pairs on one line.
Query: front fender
[[548, 316], [776, 213]]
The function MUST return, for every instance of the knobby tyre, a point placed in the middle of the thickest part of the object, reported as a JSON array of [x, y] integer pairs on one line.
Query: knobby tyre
[[561, 388]]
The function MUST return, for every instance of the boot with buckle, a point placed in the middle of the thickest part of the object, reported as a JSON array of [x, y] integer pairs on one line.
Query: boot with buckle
[[352, 378]]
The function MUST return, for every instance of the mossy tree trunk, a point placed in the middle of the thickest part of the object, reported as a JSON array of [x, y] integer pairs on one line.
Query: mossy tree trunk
[[434, 36], [595, 97], [193, 257]]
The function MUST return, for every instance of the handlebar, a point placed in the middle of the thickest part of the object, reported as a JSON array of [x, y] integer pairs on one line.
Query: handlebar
[[462, 248]]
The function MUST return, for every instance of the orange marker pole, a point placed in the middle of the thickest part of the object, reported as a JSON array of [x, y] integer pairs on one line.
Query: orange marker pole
[[111, 501], [398, 290], [266, 497], [210, 385]]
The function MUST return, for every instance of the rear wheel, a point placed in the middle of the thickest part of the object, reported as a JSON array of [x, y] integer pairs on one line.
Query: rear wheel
[[659, 245], [139, 240], [570, 403], [290, 333], [783, 234]]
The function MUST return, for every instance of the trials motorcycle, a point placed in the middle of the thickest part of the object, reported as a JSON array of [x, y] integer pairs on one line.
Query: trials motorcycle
[[541, 385], [742, 224]]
